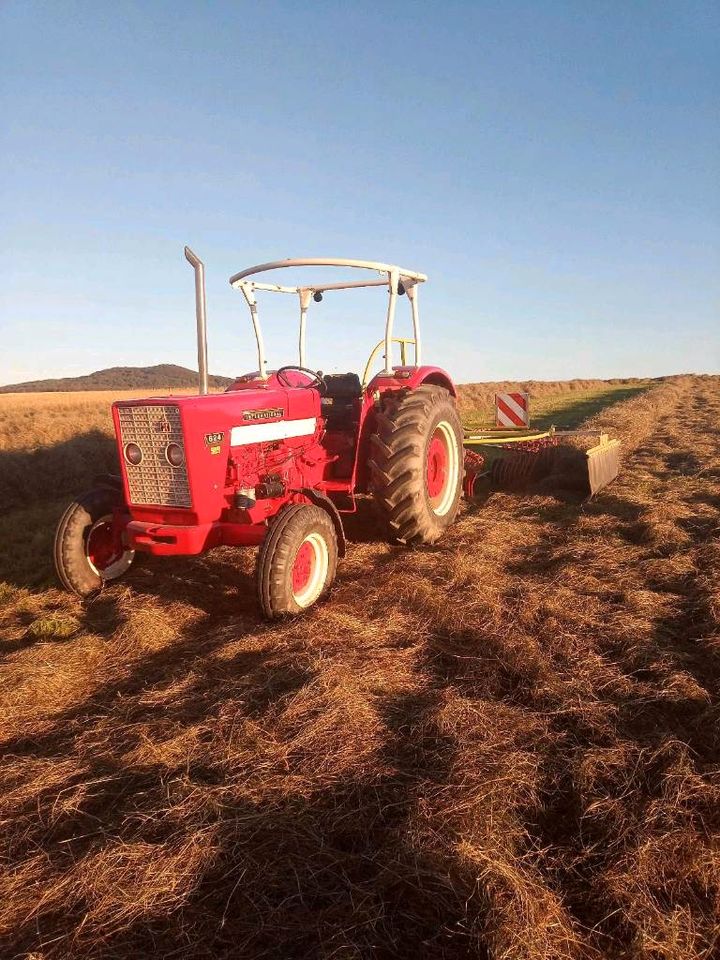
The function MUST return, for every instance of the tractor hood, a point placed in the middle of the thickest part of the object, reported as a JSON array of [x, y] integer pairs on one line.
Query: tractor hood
[[174, 451]]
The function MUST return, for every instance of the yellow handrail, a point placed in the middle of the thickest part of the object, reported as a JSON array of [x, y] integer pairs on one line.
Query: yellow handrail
[[403, 341]]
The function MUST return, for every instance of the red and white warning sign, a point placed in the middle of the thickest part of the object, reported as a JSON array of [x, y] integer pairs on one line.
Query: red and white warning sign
[[511, 409]]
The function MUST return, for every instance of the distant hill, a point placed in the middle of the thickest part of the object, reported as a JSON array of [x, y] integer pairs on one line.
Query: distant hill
[[119, 378]]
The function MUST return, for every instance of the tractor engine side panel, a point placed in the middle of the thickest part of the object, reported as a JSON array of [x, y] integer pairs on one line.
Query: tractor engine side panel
[[268, 473], [274, 452]]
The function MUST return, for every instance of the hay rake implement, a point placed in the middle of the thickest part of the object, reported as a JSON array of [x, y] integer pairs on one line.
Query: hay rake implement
[[550, 460]]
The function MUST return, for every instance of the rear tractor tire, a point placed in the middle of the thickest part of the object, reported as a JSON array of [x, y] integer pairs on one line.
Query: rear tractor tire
[[416, 465], [297, 561], [89, 551]]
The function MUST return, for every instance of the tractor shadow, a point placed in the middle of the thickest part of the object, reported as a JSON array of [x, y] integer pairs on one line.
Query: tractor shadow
[[29, 477], [35, 488], [218, 583], [286, 874], [294, 859], [364, 525]]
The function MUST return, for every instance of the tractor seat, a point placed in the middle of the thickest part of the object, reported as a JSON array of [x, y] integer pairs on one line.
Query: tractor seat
[[339, 401], [342, 386]]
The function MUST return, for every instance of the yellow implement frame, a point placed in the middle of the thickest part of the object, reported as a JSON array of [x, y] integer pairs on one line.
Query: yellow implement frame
[[491, 438]]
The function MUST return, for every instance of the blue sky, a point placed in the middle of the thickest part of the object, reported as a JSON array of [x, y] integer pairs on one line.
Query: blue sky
[[553, 166]]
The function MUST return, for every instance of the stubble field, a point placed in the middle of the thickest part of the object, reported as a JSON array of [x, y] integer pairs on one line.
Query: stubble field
[[506, 745]]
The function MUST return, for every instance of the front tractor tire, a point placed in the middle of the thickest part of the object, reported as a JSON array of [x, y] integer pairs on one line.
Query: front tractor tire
[[297, 561], [416, 465], [88, 546]]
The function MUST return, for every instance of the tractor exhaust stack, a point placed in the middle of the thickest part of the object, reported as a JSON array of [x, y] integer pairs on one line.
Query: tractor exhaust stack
[[199, 268]]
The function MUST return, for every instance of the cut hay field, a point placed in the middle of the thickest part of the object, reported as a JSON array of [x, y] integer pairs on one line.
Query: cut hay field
[[503, 746]]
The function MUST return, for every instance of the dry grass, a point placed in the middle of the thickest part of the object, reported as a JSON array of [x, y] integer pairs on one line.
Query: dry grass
[[564, 403], [54, 443], [505, 745], [32, 420]]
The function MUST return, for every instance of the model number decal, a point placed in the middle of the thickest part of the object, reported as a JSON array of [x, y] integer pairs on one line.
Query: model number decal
[[212, 439], [272, 413]]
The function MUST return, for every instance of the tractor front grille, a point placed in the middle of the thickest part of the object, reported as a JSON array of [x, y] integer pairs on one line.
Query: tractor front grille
[[154, 481]]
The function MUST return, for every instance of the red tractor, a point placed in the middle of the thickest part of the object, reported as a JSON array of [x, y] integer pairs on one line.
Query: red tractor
[[277, 459]]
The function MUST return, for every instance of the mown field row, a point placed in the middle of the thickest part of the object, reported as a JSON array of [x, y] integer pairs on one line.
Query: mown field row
[[504, 745]]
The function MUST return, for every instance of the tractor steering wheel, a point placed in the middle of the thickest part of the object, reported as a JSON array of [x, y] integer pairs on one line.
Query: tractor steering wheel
[[316, 378]]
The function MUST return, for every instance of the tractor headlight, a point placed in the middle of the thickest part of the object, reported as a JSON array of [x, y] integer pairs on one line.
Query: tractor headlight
[[133, 454], [174, 455]]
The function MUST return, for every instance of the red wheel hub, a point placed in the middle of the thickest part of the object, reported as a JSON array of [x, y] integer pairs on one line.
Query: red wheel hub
[[303, 567], [103, 546], [437, 464]]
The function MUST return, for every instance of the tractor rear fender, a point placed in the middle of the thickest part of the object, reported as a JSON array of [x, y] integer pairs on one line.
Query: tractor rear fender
[[410, 378], [433, 375], [325, 503]]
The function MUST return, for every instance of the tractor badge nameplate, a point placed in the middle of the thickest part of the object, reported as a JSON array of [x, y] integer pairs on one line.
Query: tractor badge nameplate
[[272, 413], [213, 440]]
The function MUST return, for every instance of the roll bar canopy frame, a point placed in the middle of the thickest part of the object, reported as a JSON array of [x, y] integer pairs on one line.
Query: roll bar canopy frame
[[398, 280]]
